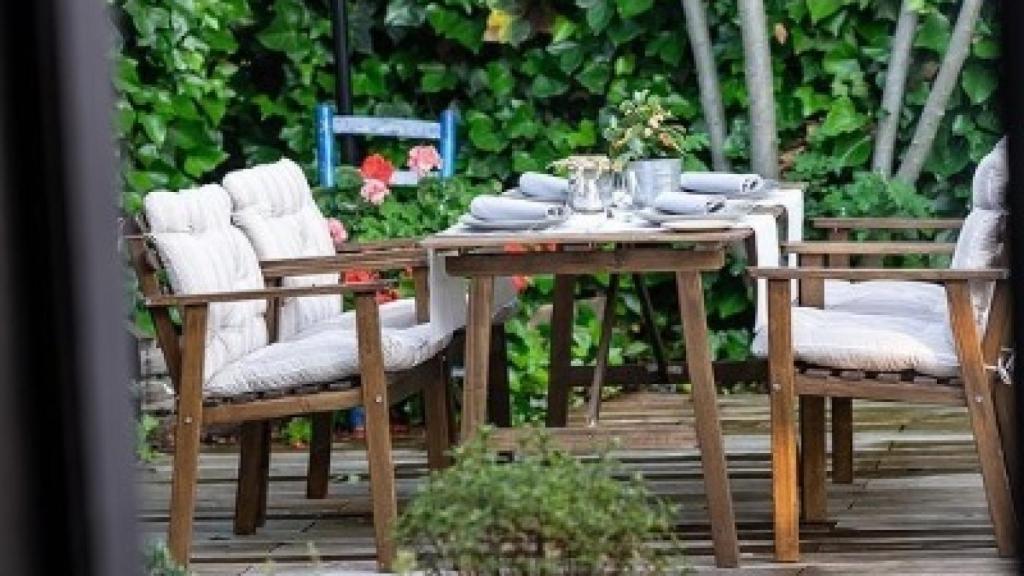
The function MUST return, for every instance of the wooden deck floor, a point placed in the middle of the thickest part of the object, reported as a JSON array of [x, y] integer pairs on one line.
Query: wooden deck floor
[[915, 507]]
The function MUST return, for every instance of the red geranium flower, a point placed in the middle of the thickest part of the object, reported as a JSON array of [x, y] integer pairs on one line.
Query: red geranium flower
[[377, 167], [359, 276]]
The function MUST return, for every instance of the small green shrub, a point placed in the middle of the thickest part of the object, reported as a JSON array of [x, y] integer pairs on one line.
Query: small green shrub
[[543, 513], [144, 429], [157, 561]]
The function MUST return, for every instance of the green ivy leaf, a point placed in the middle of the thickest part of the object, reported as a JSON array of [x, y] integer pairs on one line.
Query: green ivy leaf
[[842, 118], [199, 162], [979, 82], [933, 33], [155, 127], [482, 133], [599, 13], [595, 75], [821, 9], [631, 8], [544, 86]]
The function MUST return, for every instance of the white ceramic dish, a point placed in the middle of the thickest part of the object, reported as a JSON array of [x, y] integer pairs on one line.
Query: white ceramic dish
[[472, 222], [703, 224]]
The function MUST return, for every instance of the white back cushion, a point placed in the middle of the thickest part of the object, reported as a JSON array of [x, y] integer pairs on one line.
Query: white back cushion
[[203, 252], [274, 206], [980, 244]]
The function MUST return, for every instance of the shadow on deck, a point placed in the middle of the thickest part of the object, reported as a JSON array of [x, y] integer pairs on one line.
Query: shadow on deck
[[916, 505]]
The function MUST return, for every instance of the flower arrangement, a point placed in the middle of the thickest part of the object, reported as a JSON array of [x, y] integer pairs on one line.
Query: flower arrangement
[[641, 128], [376, 172]]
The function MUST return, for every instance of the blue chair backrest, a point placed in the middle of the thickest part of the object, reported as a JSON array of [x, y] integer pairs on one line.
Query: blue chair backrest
[[328, 124]]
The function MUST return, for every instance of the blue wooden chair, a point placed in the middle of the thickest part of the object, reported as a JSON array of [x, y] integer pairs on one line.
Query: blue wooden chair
[[329, 125]]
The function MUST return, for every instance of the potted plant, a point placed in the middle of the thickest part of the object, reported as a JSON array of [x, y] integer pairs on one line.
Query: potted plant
[[546, 512], [641, 135]]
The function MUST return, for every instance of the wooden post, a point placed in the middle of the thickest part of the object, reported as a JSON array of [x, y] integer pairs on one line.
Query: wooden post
[[603, 344], [249, 494], [783, 433], [709, 430], [186, 435], [478, 343], [841, 408], [983, 419], [378, 428], [435, 408], [561, 350], [319, 469]]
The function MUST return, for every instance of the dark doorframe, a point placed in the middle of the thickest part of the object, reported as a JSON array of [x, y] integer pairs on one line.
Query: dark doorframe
[[66, 474]]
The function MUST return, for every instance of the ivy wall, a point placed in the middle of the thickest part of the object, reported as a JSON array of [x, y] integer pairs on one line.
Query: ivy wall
[[210, 85]]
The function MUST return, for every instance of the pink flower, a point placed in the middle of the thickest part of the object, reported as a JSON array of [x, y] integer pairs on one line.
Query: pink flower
[[374, 191], [337, 230], [423, 159]]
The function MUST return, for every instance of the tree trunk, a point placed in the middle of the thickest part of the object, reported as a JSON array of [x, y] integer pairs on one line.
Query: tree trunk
[[707, 81], [895, 84], [764, 152], [945, 83]]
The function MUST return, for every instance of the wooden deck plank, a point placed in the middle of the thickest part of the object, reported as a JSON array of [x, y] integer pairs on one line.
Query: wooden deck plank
[[916, 505]]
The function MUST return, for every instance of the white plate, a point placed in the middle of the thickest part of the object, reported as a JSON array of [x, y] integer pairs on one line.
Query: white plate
[[515, 193], [703, 224], [473, 222], [731, 212]]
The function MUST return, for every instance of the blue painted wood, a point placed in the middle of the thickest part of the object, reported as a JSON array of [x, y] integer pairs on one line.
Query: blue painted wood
[[328, 124], [392, 127], [324, 146], [448, 143]]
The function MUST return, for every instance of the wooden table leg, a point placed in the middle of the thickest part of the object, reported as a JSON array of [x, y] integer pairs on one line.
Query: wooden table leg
[[561, 350], [812, 460], [651, 327], [603, 345], [709, 430], [478, 348]]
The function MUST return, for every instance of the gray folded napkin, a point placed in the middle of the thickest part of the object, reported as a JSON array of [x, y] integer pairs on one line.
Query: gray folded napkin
[[722, 183], [686, 203], [543, 186], [498, 208]]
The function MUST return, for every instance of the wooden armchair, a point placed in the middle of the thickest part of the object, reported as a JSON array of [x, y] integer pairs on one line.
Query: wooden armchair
[[915, 335], [226, 366]]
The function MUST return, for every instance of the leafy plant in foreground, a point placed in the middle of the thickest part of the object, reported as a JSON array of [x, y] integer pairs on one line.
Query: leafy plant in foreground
[[545, 512]]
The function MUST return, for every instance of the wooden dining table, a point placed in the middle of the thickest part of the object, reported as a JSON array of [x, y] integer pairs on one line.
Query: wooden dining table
[[481, 257]]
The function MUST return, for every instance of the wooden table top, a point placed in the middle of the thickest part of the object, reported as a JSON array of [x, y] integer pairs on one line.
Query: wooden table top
[[451, 241]]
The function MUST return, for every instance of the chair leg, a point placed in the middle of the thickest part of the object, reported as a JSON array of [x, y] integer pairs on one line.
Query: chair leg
[[977, 389], [785, 505], [249, 493], [378, 428], [842, 440], [319, 469], [186, 435], [498, 393], [814, 498], [264, 474], [435, 403]]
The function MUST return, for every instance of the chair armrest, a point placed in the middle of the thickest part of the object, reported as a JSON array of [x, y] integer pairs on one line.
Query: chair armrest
[[860, 274], [391, 244], [168, 300], [398, 259], [868, 248], [843, 223]]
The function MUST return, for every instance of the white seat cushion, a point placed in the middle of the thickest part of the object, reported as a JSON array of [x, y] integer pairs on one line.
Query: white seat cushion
[[319, 357], [922, 300], [202, 252], [869, 342], [396, 314], [275, 209]]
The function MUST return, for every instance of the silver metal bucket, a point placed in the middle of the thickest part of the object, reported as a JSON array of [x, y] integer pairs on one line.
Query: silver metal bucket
[[648, 178]]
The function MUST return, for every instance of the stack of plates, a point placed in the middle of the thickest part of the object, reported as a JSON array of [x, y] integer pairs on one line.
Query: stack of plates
[[722, 219], [517, 225]]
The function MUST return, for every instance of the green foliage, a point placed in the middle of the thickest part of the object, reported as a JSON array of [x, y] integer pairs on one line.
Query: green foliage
[[298, 431], [208, 85], [157, 561], [175, 80], [543, 513], [144, 429]]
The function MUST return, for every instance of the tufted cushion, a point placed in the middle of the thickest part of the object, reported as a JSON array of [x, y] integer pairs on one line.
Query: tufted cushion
[[887, 297], [203, 252], [869, 342], [274, 207], [321, 356], [988, 187]]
